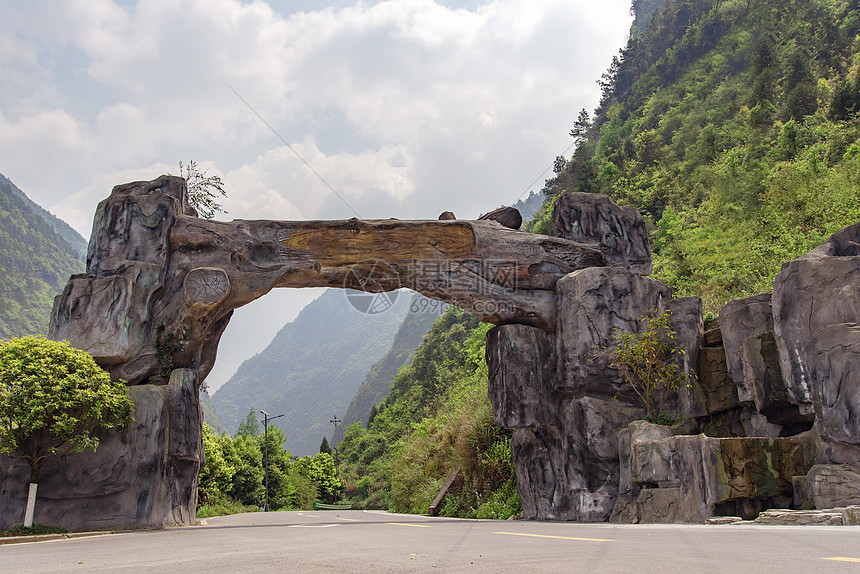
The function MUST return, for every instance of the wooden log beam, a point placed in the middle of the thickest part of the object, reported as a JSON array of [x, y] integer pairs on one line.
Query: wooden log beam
[[500, 275]]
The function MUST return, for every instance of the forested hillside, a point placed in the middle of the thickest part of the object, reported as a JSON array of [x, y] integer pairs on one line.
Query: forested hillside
[[436, 418], [732, 126], [38, 253], [311, 369]]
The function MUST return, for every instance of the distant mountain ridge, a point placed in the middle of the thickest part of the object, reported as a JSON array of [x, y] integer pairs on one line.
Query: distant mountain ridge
[[38, 253], [311, 369], [63, 229], [530, 205]]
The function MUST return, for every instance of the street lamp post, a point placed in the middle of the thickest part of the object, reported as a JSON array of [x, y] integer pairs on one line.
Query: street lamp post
[[335, 421], [266, 418]]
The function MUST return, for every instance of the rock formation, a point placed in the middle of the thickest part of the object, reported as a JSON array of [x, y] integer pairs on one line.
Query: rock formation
[[618, 231], [563, 399], [161, 285], [771, 420], [508, 216]]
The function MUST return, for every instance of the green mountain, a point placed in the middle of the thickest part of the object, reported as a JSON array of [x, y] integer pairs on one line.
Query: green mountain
[[377, 385], [312, 368], [38, 253], [63, 229], [733, 126]]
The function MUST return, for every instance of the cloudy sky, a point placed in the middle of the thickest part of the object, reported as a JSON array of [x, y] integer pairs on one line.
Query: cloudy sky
[[407, 108]]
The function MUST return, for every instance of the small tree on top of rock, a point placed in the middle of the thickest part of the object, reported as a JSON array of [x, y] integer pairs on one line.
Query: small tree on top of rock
[[203, 190], [648, 362]]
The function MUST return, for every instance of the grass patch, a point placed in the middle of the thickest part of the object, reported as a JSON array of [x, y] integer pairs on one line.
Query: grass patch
[[223, 507], [33, 530]]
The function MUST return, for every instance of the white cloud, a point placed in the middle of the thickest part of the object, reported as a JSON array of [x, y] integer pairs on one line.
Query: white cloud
[[406, 107]]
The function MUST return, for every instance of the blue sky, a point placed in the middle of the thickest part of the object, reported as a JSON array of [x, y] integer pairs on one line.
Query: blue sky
[[406, 107]]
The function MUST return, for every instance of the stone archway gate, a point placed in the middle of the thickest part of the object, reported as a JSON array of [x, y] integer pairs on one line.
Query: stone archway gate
[[159, 290]]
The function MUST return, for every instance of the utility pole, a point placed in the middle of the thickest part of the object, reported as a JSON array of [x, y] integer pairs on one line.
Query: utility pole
[[266, 418], [335, 421]]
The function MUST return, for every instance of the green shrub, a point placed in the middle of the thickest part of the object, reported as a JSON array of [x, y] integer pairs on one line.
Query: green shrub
[[647, 362]]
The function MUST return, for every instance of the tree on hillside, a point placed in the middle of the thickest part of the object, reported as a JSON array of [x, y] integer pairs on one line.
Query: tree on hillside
[[322, 472], [203, 190], [250, 426], [216, 476], [53, 400], [324, 446]]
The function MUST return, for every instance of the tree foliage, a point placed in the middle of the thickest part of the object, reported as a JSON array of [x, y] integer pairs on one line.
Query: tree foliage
[[233, 478], [321, 470], [324, 446], [733, 127], [437, 417], [54, 400]]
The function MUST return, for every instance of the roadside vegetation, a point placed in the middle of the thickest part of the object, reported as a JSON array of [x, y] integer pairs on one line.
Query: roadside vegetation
[[34, 530], [233, 479]]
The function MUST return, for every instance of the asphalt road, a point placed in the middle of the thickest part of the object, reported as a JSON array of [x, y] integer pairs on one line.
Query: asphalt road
[[357, 541]]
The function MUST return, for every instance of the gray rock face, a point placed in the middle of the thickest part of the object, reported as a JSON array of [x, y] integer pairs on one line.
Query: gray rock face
[[801, 517], [817, 330], [740, 319], [564, 448], [560, 395], [566, 404], [570, 472], [521, 361], [619, 231], [718, 388], [763, 376], [835, 367], [592, 304], [812, 293], [147, 477], [833, 485], [690, 478], [688, 324], [776, 364]]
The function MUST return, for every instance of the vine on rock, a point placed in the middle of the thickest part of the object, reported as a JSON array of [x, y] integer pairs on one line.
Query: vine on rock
[[164, 351]]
